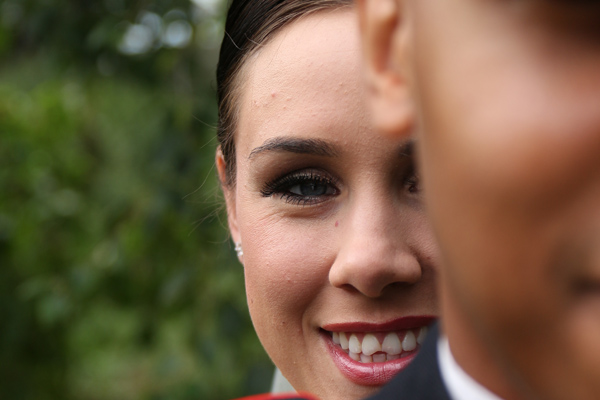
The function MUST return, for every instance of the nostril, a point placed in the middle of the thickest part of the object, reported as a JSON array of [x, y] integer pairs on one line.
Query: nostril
[[348, 288]]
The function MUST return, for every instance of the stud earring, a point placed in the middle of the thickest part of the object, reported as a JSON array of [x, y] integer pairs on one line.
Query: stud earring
[[238, 249]]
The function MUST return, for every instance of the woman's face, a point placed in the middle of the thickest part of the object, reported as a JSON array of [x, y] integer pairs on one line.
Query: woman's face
[[338, 255]]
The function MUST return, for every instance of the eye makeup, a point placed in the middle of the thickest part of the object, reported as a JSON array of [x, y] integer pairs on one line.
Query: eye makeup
[[302, 187]]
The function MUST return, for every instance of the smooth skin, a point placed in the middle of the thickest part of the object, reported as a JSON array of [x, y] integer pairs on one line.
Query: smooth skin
[[505, 99], [350, 241]]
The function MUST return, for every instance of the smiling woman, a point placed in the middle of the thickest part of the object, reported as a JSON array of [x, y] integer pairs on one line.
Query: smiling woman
[[338, 256]]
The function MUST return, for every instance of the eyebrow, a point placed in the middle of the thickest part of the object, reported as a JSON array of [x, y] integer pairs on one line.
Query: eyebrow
[[315, 147]]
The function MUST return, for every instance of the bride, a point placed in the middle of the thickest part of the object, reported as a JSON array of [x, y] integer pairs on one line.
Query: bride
[[326, 217]]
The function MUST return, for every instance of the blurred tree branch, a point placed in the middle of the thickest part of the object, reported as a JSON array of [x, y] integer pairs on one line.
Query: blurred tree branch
[[114, 283]]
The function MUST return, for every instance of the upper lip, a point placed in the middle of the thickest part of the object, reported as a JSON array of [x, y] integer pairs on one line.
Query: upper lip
[[391, 325]]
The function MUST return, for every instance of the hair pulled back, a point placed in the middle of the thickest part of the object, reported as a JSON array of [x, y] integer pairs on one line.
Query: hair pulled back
[[249, 25]]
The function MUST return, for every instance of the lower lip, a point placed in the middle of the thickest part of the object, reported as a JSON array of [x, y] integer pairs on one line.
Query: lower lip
[[368, 374]]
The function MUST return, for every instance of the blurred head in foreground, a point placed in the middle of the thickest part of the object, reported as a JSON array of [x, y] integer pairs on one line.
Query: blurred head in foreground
[[504, 97], [338, 256]]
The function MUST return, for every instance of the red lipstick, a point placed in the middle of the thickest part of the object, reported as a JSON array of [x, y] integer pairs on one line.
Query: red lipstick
[[392, 325], [373, 373]]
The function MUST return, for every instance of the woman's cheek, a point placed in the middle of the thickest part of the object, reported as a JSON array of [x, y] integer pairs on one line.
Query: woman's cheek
[[286, 266]]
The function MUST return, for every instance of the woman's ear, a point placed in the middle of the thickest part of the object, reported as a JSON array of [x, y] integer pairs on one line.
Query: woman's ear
[[229, 194], [384, 32]]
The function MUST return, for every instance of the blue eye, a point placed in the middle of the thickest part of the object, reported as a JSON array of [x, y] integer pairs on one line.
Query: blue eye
[[313, 188], [302, 187]]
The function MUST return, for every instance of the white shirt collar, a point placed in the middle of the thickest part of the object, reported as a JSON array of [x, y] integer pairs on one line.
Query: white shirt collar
[[459, 384]]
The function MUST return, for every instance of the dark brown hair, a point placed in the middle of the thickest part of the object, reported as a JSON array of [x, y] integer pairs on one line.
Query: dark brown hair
[[249, 25]]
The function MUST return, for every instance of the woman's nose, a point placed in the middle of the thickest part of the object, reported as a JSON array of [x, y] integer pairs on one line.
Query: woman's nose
[[374, 255]]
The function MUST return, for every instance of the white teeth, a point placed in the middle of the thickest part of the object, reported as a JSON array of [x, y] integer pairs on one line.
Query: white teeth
[[344, 341], [354, 344], [370, 345], [335, 337], [366, 359], [391, 344], [422, 334], [409, 343], [370, 350]]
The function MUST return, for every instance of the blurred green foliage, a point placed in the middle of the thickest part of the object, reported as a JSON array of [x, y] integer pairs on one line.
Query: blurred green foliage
[[117, 278]]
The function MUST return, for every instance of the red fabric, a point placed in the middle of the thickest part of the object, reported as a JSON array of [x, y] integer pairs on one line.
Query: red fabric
[[280, 396]]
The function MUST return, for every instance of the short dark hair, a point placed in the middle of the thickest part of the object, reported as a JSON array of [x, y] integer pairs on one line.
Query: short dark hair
[[249, 25]]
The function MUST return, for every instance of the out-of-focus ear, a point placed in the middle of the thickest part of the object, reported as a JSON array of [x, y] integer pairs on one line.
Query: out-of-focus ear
[[229, 194], [385, 43]]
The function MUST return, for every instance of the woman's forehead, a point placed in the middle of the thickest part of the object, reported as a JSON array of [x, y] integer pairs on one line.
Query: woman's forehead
[[294, 84], [319, 49]]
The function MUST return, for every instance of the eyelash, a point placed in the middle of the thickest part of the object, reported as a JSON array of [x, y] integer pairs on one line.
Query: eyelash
[[411, 181], [282, 186]]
